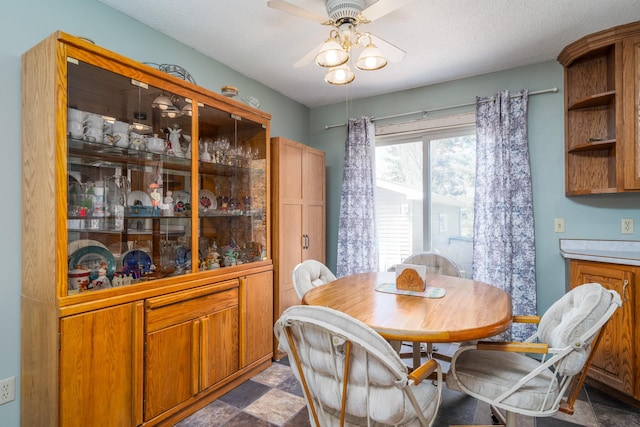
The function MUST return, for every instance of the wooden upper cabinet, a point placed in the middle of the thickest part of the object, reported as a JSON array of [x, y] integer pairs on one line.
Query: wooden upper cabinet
[[601, 112], [631, 100]]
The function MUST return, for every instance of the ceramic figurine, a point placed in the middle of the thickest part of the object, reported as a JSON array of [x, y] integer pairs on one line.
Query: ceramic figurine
[[205, 156], [117, 281], [102, 281], [155, 196], [174, 139]]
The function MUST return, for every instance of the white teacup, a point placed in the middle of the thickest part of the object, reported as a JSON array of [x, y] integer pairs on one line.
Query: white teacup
[[120, 127], [156, 144], [121, 139], [75, 129], [92, 134], [74, 115], [108, 127], [94, 121]]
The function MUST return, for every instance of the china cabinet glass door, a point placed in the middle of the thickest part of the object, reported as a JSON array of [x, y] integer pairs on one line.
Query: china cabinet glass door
[[232, 189], [128, 180]]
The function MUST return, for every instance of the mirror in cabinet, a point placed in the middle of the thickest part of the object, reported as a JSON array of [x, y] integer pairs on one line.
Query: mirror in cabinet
[[232, 182], [129, 172]]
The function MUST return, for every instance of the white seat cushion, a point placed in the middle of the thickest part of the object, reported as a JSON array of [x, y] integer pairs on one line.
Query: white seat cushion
[[491, 373]]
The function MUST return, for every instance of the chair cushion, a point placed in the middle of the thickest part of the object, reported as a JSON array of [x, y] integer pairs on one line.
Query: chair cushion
[[488, 374], [309, 274], [569, 318], [435, 263]]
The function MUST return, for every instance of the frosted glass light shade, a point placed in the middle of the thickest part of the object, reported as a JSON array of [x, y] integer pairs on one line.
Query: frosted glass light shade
[[340, 75], [162, 102], [187, 110], [170, 112], [371, 59], [331, 54]]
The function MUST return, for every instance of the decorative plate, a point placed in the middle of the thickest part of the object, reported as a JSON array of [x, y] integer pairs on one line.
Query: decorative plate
[[90, 258], [138, 198], [136, 258], [181, 201], [206, 201], [77, 244]]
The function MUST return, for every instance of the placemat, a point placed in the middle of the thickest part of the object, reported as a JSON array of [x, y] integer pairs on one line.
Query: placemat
[[429, 292]]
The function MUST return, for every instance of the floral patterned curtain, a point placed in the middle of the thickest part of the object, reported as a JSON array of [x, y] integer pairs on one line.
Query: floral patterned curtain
[[357, 245], [503, 240]]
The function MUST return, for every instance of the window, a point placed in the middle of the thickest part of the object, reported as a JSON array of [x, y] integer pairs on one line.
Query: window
[[424, 193]]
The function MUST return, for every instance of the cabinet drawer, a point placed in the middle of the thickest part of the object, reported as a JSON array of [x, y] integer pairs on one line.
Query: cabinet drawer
[[184, 306]]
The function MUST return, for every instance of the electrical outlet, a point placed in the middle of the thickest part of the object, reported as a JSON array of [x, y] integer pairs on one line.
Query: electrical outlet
[[627, 226], [7, 390], [558, 225]]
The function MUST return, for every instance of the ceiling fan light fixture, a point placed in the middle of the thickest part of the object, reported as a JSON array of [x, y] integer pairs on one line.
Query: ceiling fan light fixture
[[371, 59], [162, 102], [340, 75], [171, 112], [187, 110], [331, 54]]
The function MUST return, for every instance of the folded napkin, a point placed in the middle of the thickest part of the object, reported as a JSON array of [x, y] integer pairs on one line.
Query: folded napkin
[[429, 292]]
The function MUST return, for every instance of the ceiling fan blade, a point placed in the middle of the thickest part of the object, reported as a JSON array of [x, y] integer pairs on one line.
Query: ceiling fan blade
[[381, 8], [298, 11], [310, 56], [392, 52]]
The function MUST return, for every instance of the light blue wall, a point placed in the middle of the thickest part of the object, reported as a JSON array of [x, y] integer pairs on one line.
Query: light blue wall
[[28, 22], [596, 217], [24, 24]]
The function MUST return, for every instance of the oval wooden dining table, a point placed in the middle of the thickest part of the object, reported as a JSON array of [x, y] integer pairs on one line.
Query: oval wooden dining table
[[469, 310]]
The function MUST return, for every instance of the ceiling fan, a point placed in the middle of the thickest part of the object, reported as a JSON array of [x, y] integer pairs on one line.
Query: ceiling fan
[[345, 16]]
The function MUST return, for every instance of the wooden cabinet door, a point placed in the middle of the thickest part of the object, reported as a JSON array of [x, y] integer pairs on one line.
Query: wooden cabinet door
[[288, 216], [101, 367], [191, 343], [614, 360], [314, 204], [258, 326], [631, 142], [299, 227], [171, 367], [220, 349]]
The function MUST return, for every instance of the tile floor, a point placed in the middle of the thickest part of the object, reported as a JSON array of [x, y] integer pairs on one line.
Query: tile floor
[[274, 398]]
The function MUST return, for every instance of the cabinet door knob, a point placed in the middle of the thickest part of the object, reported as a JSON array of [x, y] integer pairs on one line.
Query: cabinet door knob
[[625, 298]]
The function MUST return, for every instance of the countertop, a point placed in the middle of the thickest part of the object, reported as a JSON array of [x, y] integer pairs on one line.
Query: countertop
[[625, 252]]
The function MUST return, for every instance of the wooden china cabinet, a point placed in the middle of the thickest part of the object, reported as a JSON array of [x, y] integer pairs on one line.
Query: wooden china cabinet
[[298, 200], [602, 95], [147, 285]]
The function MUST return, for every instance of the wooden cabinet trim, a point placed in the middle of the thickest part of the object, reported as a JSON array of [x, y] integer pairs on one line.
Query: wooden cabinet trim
[[190, 309]]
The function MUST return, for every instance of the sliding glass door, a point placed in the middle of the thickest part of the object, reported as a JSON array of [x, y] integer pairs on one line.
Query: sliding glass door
[[424, 196]]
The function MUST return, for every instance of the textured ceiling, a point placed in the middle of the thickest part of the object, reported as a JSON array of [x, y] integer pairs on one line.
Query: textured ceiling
[[443, 39]]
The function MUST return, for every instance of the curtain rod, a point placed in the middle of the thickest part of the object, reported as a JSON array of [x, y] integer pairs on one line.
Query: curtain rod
[[538, 92]]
